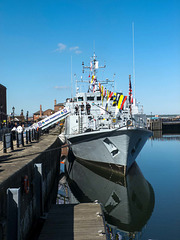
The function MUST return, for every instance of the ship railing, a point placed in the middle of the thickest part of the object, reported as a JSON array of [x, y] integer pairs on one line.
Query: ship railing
[[139, 122]]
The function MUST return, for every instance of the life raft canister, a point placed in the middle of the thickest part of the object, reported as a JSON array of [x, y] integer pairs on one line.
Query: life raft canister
[[26, 184]]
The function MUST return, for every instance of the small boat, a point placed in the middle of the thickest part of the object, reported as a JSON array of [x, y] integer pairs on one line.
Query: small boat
[[105, 127]]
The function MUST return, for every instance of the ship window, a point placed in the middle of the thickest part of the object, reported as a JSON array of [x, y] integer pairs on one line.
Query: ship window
[[80, 98], [99, 98], [90, 98]]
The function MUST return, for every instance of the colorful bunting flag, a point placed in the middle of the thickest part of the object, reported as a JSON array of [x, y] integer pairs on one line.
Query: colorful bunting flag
[[110, 95], [124, 100], [99, 87], [114, 99], [120, 101], [107, 95]]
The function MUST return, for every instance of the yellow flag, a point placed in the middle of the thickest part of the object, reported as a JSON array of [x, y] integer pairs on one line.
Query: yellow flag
[[120, 101], [92, 79], [102, 94], [107, 94]]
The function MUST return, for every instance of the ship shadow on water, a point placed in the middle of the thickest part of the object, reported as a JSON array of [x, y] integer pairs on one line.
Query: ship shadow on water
[[127, 201]]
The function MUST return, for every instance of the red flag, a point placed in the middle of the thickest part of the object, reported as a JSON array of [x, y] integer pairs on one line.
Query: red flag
[[110, 95]]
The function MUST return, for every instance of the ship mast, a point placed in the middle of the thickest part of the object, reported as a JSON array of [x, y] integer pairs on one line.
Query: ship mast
[[94, 65], [133, 60]]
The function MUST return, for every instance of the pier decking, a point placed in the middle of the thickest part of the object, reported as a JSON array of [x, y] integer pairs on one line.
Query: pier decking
[[74, 222]]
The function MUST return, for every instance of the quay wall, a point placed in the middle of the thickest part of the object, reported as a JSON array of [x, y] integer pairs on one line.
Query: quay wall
[[29, 188], [171, 127], [165, 126]]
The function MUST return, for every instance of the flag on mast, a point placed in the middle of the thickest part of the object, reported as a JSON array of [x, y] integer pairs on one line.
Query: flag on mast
[[130, 91]]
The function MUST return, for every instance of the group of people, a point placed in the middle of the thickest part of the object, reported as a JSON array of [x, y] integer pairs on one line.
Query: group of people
[[88, 108], [18, 129]]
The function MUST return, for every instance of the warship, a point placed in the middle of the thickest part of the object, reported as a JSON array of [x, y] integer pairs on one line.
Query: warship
[[104, 127]]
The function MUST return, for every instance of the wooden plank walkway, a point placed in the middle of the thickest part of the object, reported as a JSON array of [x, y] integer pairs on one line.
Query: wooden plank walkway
[[78, 222]]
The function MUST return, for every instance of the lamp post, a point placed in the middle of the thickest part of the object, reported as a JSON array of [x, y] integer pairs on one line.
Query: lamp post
[[13, 108]]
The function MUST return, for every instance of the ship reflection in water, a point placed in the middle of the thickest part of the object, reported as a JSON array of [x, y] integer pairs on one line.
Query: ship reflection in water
[[127, 202]]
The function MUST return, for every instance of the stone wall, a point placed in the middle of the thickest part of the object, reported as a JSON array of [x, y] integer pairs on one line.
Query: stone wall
[[28, 193]]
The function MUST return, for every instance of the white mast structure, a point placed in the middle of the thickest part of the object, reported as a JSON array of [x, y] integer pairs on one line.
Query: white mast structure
[[133, 60], [71, 80]]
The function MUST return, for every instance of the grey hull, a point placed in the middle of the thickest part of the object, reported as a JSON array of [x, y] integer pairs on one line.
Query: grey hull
[[115, 147]]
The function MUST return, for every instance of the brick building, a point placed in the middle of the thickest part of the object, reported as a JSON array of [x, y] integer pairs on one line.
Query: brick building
[[58, 106], [48, 112], [20, 119], [37, 116], [3, 104]]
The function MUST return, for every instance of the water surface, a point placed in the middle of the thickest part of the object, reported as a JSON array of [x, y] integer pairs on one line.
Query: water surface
[[143, 205]]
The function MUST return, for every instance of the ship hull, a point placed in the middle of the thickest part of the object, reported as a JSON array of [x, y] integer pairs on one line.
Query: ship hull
[[117, 149]]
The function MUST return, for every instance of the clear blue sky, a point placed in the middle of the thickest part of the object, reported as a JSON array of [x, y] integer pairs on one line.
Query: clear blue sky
[[38, 38]]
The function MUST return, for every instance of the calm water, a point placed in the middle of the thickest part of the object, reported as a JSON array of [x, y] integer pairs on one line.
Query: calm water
[[144, 205], [160, 163]]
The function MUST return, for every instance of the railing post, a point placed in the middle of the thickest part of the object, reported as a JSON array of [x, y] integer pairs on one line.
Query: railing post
[[22, 138], [33, 130], [35, 135], [17, 136], [26, 137], [4, 144], [11, 139], [38, 135], [30, 136]]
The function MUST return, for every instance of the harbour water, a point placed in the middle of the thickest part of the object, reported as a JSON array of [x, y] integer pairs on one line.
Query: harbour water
[[144, 204]]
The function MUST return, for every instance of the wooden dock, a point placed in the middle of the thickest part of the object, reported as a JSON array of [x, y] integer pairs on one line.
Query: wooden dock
[[74, 222]]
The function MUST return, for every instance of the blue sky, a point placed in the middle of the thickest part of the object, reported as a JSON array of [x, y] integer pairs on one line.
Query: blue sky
[[39, 37]]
